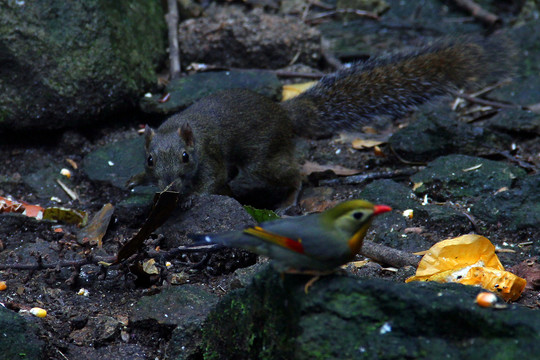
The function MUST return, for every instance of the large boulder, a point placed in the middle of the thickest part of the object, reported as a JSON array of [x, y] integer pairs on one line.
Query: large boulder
[[63, 63], [343, 317]]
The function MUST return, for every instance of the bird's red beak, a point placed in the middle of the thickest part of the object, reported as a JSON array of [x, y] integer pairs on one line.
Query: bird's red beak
[[379, 209]]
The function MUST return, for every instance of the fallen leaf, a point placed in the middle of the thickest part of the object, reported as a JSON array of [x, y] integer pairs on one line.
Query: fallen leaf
[[377, 151], [469, 260], [164, 203], [357, 264], [10, 205], [310, 167], [65, 215], [359, 144], [316, 205], [149, 267], [291, 90], [95, 230], [72, 163], [530, 271]]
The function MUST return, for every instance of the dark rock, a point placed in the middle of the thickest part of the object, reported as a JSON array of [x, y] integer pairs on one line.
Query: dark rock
[[401, 25], [390, 229], [207, 214], [464, 177], [19, 338], [391, 193], [527, 40], [174, 306], [522, 91], [79, 322], [343, 318], [210, 214], [517, 208], [445, 217], [88, 275], [518, 121], [65, 63], [183, 308], [185, 91], [436, 132], [116, 162], [232, 38], [38, 250], [43, 182], [98, 330]]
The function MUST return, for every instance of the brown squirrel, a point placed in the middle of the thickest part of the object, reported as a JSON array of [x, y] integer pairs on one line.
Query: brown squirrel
[[240, 143]]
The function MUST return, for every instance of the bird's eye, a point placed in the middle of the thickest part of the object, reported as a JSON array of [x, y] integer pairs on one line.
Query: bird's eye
[[358, 215], [185, 157], [150, 161]]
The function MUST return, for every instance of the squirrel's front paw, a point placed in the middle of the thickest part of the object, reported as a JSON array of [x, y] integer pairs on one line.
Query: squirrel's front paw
[[186, 203]]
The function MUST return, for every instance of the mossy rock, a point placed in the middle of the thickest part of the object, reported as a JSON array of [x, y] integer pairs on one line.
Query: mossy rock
[[68, 63]]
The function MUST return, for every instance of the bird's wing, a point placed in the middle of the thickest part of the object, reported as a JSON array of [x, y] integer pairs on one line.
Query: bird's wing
[[280, 240]]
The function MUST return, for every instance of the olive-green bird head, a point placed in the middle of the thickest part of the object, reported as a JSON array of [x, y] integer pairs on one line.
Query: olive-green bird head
[[318, 242], [354, 218]]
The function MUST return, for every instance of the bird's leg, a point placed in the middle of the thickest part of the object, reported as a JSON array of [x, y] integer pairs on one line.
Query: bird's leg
[[315, 275]]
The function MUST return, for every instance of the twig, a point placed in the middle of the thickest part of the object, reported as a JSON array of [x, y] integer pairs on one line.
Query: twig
[[172, 24], [483, 101], [507, 155], [360, 179], [478, 12], [491, 87], [387, 255], [72, 194], [40, 265]]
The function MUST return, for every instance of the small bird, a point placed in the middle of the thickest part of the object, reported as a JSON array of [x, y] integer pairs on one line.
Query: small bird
[[315, 243]]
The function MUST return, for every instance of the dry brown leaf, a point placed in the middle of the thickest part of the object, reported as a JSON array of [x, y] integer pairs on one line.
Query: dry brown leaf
[[314, 205], [530, 271]]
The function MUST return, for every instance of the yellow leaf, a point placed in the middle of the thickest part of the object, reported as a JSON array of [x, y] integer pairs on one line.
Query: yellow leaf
[[468, 260], [359, 144], [67, 216], [292, 90], [150, 268]]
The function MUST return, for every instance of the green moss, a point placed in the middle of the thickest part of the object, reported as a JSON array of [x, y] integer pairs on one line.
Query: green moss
[[69, 61], [251, 324]]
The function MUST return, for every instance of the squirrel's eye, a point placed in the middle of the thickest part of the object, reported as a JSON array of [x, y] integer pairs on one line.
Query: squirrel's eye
[[185, 157], [358, 215], [150, 161]]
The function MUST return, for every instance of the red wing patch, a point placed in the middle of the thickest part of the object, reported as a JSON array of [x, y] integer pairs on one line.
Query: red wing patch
[[288, 243]]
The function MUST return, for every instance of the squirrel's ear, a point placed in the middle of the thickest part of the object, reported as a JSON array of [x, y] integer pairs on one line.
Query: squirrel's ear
[[148, 135], [186, 134]]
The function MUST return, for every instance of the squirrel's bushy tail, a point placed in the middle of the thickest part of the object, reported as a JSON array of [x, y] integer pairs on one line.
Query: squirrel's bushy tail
[[391, 85]]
